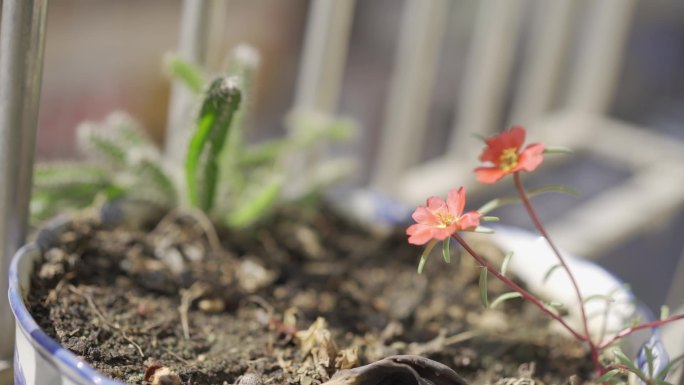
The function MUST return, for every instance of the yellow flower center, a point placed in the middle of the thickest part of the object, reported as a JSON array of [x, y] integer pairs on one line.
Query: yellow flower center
[[445, 219], [508, 159]]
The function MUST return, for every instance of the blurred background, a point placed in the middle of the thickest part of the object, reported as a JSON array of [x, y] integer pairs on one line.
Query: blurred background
[[107, 55]]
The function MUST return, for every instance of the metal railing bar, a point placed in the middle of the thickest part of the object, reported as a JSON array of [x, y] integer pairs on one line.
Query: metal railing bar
[[22, 42]]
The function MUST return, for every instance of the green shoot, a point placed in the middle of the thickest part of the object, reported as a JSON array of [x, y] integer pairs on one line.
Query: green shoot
[[201, 168]]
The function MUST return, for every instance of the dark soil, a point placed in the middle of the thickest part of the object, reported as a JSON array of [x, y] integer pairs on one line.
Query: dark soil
[[291, 301]]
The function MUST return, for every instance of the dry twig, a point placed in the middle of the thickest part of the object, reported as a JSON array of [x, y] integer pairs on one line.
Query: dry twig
[[104, 319]]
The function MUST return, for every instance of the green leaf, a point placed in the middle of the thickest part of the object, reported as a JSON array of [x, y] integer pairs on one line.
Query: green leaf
[[505, 297], [263, 153], [243, 64], [506, 261], [664, 312], [606, 377], [671, 365], [626, 361], [550, 271], [220, 104], [446, 252], [496, 203], [151, 173], [557, 150], [307, 128], [58, 176], [483, 287], [101, 145], [499, 202], [553, 188], [425, 255], [483, 230], [594, 297], [555, 306], [479, 136], [649, 360], [256, 206], [328, 172], [127, 131], [490, 219], [186, 72]]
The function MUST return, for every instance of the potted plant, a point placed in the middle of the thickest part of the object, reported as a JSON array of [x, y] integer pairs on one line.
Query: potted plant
[[234, 288]]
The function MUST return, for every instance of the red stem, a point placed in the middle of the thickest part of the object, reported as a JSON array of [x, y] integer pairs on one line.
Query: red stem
[[633, 329], [537, 223], [525, 294]]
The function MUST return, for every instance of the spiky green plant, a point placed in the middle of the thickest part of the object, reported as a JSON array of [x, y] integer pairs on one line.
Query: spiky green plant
[[235, 183]]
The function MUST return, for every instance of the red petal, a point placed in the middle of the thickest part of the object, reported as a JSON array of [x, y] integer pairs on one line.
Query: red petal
[[515, 137], [491, 153], [456, 201], [419, 234], [436, 204], [489, 175], [469, 220], [443, 233], [531, 157], [425, 216]]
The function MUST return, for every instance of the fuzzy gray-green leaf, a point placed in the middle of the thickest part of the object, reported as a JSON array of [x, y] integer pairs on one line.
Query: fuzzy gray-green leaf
[[252, 209], [186, 72]]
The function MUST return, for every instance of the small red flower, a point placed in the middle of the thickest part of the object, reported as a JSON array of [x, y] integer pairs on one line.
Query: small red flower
[[439, 219], [504, 151]]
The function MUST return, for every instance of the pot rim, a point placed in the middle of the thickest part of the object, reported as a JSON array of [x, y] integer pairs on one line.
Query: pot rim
[[78, 369]]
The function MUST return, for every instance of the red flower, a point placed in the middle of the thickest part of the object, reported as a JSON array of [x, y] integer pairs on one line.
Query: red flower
[[439, 219], [504, 151]]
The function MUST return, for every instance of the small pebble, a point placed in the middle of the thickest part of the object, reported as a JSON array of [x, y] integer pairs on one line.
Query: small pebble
[[211, 305], [164, 376], [250, 379]]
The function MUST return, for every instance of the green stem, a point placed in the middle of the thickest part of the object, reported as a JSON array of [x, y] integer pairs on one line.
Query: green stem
[[537, 223], [508, 282]]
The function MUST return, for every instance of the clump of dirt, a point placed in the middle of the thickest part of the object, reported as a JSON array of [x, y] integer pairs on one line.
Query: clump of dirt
[[291, 301]]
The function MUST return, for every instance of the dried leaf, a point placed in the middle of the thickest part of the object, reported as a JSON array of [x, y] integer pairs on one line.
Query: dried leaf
[[399, 370]]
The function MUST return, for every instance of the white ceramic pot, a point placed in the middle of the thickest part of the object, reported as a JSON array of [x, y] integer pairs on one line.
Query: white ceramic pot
[[39, 360]]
